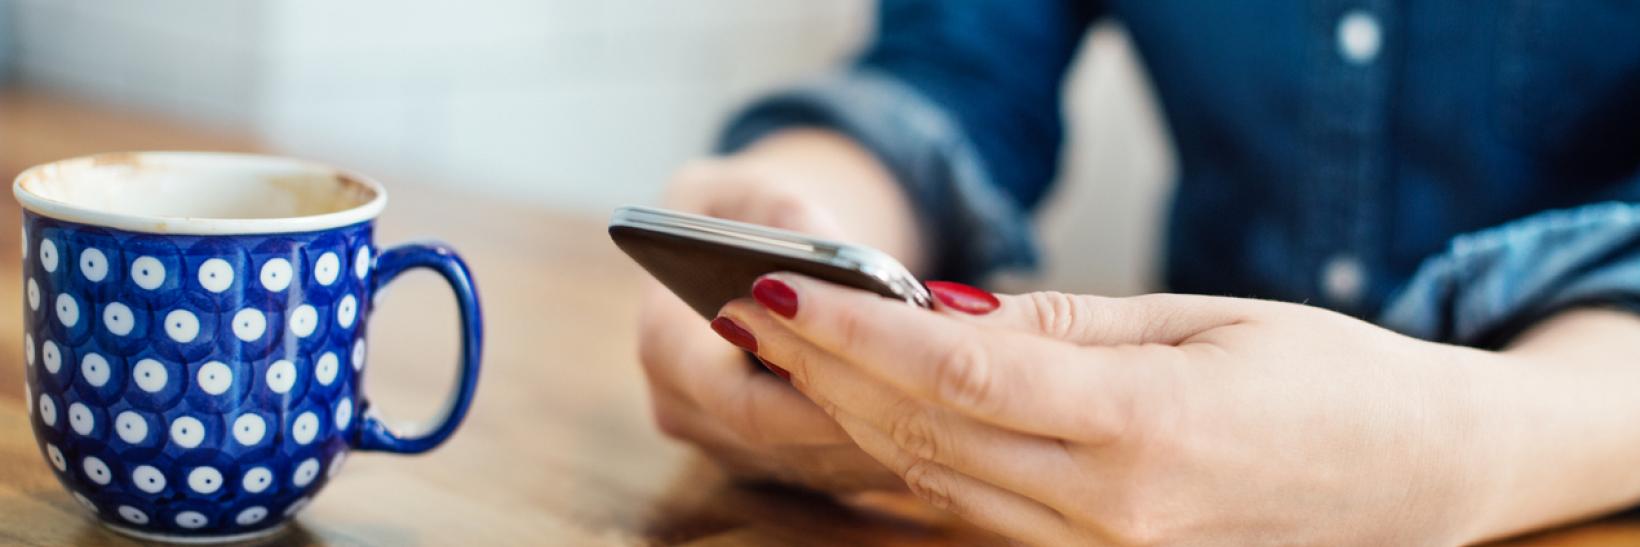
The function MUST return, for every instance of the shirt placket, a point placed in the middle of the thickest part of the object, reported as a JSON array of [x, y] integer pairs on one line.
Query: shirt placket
[[1350, 78]]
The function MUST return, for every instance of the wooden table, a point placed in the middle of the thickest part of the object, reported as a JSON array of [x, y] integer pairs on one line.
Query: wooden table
[[558, 449]]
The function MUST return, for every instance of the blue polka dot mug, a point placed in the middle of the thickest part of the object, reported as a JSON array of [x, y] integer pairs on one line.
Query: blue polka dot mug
[[194, 335]]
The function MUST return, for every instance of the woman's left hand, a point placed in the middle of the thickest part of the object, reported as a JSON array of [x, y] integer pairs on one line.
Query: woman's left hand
[[1160, 419]]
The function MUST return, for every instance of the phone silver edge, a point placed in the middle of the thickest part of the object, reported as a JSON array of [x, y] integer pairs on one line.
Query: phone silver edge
[[871, 262]]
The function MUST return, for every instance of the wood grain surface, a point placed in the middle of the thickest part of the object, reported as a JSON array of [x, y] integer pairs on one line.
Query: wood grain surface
[[558, 449]]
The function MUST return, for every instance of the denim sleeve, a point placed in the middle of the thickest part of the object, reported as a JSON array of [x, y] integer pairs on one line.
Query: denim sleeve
[[1488, 286], [961, 101]]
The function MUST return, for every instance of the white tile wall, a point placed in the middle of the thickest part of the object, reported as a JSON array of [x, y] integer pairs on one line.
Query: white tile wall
[[582, 105], [201, 66], [574, 104]]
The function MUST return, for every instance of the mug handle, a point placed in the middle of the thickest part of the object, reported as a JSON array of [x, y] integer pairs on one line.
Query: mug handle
[[373, 434]]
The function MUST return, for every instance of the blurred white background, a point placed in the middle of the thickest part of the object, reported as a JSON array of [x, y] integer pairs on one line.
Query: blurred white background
[[579, 106]]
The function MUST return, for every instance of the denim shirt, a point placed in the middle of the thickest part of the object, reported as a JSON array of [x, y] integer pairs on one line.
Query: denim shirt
[[1452, 170]]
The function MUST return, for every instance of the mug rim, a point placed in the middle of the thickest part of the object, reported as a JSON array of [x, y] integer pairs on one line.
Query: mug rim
[[179, 225]]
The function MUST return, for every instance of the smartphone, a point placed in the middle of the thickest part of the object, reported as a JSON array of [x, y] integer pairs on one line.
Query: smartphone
[[709, 261]]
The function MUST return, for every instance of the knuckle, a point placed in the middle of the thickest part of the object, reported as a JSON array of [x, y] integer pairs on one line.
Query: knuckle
[[1161, 328], [1138, 417], [965, 376], [739, 416], [669, 424], [1133, 519], [782, 205], [926, 481], [914, 433], [651, 355], [656, 344], [745, 423], [698, 171], [850, 327], [826, 405], [1135, 530], [1057, 313]]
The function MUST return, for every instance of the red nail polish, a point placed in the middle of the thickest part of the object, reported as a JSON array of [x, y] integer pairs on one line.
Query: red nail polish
[[734, 333], [964, 298], [775, 295], [787, 376]]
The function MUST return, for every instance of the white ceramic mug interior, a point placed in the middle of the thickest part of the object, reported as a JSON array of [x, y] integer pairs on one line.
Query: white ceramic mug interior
[[203, 193]]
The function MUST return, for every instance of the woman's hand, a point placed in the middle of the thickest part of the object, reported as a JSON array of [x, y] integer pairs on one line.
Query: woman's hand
[[706, 392], [1160, 419]]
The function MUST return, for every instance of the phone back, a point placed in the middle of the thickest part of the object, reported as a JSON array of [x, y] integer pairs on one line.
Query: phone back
[[709, 274]]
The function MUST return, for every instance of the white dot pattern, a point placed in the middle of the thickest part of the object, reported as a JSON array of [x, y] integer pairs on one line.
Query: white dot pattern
[[187, 432], [33, 295], [327, 269], [169, 369], [205, 480], [80, 418], [216, 275], [336, 464], [215, 378], [133, 515], [191, 520], [68, 310], [346, 311], [56, 456], [97, 470], [118, 319], [361, 263], [358, 354], [131, 427], [251, 515], [150, 375], [48, 255], [86, 502], [249, 324], [94, 265], [344, 413], [325, 370], [296, 507], [304, 320], [148, 272], [276, 275], [148, 478], [51, 357], [182, 326], [48, 410], [256, 480], [249, 429], [305, 428], [281, 377], [305, 472], [94, 368]]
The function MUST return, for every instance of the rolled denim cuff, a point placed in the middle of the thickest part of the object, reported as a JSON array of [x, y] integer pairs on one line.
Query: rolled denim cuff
[[1488, 286], [973, 228]]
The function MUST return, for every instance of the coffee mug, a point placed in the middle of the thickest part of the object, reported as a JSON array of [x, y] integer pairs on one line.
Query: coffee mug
[[194, 335]]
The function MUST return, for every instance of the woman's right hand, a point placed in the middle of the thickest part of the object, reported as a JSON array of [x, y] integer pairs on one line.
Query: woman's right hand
[[707, 392]]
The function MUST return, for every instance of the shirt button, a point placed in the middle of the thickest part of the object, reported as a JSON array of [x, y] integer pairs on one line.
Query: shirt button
[[1343, 278], [1359, 37]]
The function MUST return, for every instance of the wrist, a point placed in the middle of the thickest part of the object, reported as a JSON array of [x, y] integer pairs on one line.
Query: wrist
[[1479, 424], [1559, 407]]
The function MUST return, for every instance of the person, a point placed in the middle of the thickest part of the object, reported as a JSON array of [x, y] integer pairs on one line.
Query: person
[[1404, 256]]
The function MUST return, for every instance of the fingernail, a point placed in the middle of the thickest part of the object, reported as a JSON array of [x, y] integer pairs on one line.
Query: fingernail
[[964, 298], [734, 333], [775, 295], [787, 376]]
